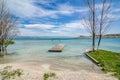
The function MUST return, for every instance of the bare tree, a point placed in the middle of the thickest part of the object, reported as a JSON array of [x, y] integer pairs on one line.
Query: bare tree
[[8, 28], [97, 21], [90, 21], [104, 20]]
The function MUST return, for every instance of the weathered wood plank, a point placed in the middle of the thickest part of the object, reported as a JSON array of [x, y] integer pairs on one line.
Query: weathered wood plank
[[57, 48]]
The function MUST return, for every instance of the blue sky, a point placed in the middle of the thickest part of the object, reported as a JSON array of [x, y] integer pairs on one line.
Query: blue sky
[[56, 17]]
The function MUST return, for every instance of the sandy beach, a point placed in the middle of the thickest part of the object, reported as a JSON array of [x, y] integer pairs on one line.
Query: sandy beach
[[34, 70]]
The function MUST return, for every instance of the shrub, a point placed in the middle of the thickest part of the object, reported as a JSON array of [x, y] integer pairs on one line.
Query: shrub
[[46, 76], [8, 73]]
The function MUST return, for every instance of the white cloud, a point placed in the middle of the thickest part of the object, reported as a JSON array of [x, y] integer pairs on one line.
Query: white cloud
[[28, 9], [39, 26], [66, 29], [71, 27], [65, 9], [21, 8], [74, 24], [26, 32]]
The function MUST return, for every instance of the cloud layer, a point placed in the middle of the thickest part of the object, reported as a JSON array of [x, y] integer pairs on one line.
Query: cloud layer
[[49, 17], [29, 8]]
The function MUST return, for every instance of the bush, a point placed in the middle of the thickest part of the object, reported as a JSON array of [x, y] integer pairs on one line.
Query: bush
[[8, 73], [46, 76]]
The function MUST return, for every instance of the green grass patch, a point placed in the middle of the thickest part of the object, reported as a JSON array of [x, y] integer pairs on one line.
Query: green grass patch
[[110, 61], [46, 76]]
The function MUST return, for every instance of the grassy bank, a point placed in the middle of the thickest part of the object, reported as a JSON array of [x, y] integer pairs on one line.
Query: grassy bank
[[110, 61]]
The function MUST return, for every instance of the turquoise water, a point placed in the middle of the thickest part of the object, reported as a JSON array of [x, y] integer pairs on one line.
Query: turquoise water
[[73, 51]]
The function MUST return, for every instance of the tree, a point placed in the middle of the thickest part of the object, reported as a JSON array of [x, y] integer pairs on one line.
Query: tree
[[104, 21], [97, 21], [8, 27], [90, 21]]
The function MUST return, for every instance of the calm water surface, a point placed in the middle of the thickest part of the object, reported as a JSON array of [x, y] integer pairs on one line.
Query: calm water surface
[[73, 52]]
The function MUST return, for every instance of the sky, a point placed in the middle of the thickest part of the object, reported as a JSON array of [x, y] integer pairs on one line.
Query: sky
[[56, 17]]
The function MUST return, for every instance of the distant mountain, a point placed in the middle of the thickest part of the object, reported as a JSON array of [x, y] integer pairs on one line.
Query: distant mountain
[[104, 36]]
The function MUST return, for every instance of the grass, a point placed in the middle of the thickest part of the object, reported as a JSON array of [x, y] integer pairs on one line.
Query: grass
[[110, 61], [46, 76]]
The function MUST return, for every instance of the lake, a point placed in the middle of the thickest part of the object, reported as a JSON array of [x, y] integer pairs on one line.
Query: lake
[[73, 52]]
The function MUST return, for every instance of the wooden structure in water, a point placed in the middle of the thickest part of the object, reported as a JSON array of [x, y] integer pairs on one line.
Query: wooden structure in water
[[57, 48]]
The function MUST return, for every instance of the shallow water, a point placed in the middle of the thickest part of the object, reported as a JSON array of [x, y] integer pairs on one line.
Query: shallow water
[[73, 53]]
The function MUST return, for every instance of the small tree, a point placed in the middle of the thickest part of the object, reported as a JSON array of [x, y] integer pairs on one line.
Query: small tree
[[8, 29], [90, 21], [97, 21], [104, 20]]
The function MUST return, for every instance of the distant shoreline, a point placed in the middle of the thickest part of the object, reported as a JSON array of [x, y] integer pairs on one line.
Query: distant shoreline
[[104, 36], [52, 39], [63, 38]]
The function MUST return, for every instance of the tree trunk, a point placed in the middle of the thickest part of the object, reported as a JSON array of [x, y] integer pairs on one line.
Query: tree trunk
[[99, 41], [93, 42], [93, 26], [5, 50]]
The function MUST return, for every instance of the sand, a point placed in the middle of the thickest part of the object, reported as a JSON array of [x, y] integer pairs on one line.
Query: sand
[[34, 70]]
